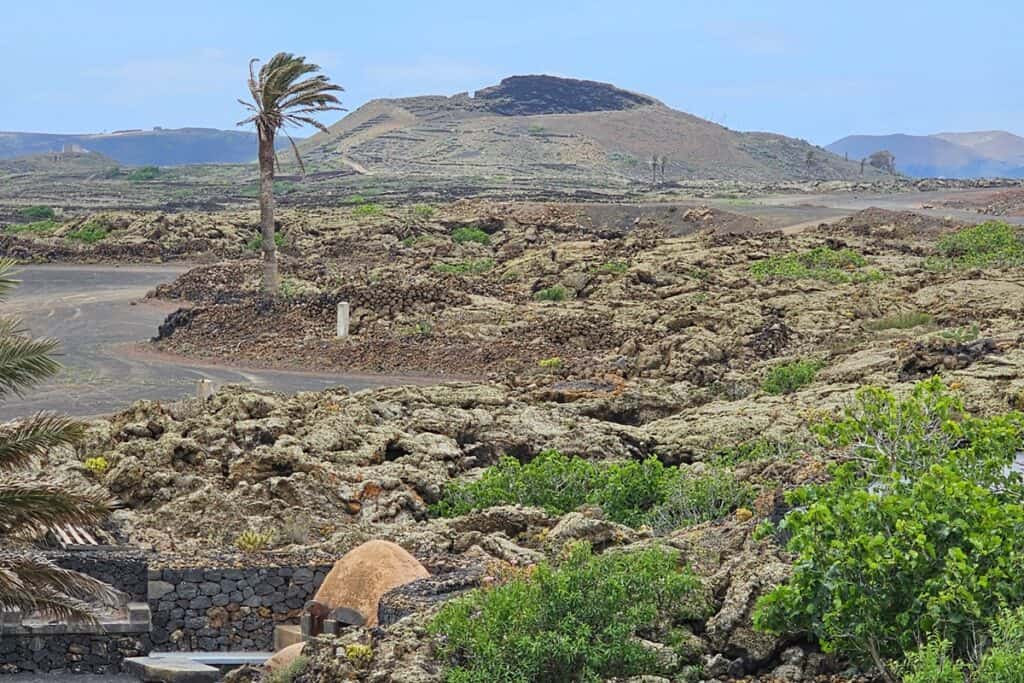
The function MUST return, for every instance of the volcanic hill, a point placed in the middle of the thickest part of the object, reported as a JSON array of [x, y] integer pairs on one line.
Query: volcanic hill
[[544, 126]]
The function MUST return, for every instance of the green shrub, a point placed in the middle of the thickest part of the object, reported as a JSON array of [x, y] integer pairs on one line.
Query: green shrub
[[550, 363], [559, 484], [900, 321], [463, 235], [367, 209], [356, 199], [788, 377], [38, 213], [990, 244], [256, 243], [573, 622], [556, 293], [961, 335], [35, 228], [144, 173], [97, 465], [424, 211], [931, 664], [753, 450], [289, 673], [612, 268], [467, 267], [1003, 662], [700, 498], [919, 531], [91, 232], [820, 263], [251, 541]]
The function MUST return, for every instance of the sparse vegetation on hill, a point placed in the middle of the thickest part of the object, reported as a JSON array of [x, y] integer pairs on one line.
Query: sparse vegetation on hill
[[820, 263]]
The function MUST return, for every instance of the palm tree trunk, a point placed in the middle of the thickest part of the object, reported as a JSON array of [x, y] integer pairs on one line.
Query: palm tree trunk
[[271, 282]]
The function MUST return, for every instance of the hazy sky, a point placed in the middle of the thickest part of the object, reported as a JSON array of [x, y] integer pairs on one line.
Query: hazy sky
[[817, 70]]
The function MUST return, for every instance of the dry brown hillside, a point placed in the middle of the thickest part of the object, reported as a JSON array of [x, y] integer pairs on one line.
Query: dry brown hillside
[[543, 126]]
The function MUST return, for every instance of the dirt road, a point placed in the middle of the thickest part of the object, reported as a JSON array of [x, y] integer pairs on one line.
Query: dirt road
[[90, 310]]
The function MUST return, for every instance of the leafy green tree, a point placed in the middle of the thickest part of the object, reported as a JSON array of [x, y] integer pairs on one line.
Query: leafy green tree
[[281, 96], [29, 504], [918, 535]]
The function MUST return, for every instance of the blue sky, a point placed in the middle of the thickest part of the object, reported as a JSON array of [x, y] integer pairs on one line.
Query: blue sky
[[816, 70]]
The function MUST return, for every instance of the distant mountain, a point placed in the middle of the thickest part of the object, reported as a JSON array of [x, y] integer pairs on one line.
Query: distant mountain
[[544, 126], [158, 147], [944, 155]]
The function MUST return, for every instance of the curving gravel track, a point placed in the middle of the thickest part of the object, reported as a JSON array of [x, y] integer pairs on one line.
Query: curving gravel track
[[98, 314]]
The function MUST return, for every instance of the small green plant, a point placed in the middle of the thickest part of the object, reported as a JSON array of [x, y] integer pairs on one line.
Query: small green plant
[[143, 174], [467, 267], [577, 621], [360, 655], [36, 228], [556, 293], [37, 213], [367, 209], [550, 363], [90, 233], [700, 498], [289, 288], [754, 450], [423, 211], [990, 244], [931, 663], [535, 129], [961, 335], [788, 377], [289, 673], [96, 465], [820, 263], [256, 243], [900, 321], [470, 234], [612, 268], [251, 541], [356, 199]]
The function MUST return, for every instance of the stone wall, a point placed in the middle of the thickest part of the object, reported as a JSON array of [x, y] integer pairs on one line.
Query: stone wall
[[227, 609], [75, 648], [126, 570]]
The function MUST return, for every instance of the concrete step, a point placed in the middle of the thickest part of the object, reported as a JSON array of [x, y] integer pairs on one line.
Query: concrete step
[[285, 635], [177, 669], [223, 659]]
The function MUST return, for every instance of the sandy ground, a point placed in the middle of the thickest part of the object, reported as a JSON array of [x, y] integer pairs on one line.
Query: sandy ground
[[97, 314]]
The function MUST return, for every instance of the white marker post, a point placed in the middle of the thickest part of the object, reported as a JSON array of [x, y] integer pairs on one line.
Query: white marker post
[[342, 319], [204, 389]]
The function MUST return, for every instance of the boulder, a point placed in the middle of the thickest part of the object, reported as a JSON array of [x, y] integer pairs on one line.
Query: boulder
[[284, 658], [359, 579]]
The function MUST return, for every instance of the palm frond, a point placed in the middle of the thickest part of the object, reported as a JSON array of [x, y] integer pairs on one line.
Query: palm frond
[[7, 283], [29, 582], [282, 95], [25, 362], [34, 436], [28, 508]]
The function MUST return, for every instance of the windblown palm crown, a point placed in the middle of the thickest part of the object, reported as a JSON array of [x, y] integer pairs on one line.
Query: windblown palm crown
[[282, 96]]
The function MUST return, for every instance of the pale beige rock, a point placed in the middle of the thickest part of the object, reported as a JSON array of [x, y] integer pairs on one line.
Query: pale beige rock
[[284, 657], [361, 577]]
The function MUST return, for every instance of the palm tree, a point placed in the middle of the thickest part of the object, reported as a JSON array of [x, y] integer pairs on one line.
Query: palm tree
[[282, 97], [29, 582]]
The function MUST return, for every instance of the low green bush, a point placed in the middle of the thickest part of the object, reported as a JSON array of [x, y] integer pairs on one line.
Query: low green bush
[[900, 321], [468, 234], [367, 209], [424, 211], [289, 673], [612, 268], [820, 263], [556, 293], [467, 267], [90, 233], [990, 244], [700, 498], [788, 377], [256, 243], [577, 621], [34, 228], [558, 484], [919, 531], [144, 173], [999, 660], [37, 213]]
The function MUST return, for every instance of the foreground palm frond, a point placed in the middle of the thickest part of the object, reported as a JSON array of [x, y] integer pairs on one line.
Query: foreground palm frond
[[29, 508], [25, 362], [32, 437], [29, 582]]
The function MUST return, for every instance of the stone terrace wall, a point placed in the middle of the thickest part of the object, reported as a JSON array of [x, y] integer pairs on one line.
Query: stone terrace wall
[[124, 569], [97, 653], [227, 609]]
